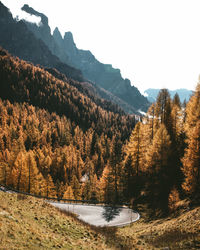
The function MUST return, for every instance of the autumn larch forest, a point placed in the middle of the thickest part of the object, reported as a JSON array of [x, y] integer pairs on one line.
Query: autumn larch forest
[[57, 139]]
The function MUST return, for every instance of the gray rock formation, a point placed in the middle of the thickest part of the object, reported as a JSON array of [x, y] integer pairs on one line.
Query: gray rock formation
[[20, 41], [104, 75]]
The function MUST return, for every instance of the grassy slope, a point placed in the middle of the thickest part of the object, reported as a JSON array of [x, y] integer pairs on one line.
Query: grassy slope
[[174, 232], [29, 223]]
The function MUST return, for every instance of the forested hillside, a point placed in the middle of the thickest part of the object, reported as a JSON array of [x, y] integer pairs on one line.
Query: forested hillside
[[52, 135], [57, 140]]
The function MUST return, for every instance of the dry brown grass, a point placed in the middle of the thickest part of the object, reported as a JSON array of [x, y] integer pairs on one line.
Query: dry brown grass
[[174, 232], [29, 223]]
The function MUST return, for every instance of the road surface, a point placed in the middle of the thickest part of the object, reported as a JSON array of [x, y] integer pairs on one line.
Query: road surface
[[95, 214], [100, 215]]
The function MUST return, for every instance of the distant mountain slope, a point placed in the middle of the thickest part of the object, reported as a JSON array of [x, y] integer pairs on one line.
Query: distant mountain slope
[[103, 75], [95, 92], [184, 94]]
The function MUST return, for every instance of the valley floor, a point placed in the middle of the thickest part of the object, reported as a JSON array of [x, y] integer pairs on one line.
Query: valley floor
[[29, 223]]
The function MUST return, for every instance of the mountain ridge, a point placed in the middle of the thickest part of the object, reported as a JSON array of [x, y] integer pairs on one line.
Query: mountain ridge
[[104, 75]]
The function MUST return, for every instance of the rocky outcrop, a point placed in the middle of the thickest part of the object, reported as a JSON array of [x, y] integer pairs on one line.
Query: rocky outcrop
[[43, 32], [21, 42], [35, 43], [104, 75]]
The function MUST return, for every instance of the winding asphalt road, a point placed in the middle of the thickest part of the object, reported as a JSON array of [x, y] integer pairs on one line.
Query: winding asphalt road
[[100, 215]]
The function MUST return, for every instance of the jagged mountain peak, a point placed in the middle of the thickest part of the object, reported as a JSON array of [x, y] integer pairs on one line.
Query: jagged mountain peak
[[69, 37], [31, 11], [66, 52], [24, 39], [57, 32], [57, 35]]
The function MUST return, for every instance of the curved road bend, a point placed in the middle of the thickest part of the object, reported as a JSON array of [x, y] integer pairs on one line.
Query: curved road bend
[[100, 215], [96, 215]]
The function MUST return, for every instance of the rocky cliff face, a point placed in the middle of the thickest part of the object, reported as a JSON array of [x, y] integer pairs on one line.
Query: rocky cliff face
[[21, 42], [35, 43], [43, 32], [104, 75]]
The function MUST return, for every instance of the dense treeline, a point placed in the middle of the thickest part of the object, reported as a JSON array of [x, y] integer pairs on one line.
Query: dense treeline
[[46, 154], [90, 90], [162, 162], [156, 147]]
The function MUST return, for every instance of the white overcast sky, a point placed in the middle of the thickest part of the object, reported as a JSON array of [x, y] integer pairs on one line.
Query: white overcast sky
[[155, 43]]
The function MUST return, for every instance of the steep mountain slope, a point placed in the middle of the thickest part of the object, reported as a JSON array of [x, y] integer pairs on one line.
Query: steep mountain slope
[[184, 94], [96, 92], [43, 32], [103, 75], [21, 42], [23, 82]]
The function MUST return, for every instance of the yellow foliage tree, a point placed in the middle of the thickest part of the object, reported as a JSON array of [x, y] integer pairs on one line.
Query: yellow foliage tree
[[158, 168], [135, 148], [50, 187], [191, 162], [31, 172], [191, 159], [193, 110], [69, 194], [173, 199]]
